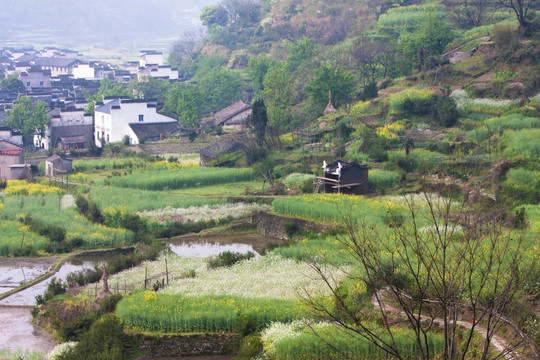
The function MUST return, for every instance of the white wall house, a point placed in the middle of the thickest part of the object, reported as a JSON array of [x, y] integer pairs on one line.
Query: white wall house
[[150, 57], [162, 72], [84, 71], [113, 119]]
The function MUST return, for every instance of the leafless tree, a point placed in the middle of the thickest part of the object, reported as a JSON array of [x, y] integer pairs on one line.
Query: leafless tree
[[468, 14], [429, 276]]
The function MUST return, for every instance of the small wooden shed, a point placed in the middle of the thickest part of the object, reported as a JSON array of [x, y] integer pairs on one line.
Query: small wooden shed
[[56, 165], [345, 178]]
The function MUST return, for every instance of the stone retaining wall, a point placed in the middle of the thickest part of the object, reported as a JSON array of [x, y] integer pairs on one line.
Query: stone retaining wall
[[184, 345], [272, 225]]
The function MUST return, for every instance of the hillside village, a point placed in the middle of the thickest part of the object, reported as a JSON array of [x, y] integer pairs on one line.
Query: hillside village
[[307, 180]]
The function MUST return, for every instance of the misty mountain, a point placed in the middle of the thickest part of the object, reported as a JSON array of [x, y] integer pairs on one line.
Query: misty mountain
[[107, 22]]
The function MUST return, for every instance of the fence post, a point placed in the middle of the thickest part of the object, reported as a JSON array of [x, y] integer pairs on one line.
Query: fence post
[[167, 271], [125, 287], [145, 276]]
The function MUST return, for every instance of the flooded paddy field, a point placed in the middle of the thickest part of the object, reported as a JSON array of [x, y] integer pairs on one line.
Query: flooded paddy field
[[18, 331]]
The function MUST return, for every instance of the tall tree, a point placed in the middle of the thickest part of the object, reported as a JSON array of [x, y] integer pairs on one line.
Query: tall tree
[[12, 83], [256, 71], [301, 51], [258, 120], [430, 38], [468, 14], [27, 118], [334, 79], [183, 53], [220, 88], [278, 96], [184, 100], [148, 87], [521, 9], [214, 15]]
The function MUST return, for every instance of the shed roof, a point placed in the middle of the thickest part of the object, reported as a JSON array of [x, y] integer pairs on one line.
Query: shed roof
[[153, 130], [56, 61], [230, 111]]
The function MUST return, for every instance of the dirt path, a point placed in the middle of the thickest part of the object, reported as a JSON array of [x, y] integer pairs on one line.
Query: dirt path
[[18, 331], [496, 341]]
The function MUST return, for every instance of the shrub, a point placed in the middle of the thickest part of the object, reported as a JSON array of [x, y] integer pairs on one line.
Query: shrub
[[299, 181], [251, 347], [103, 341], [228, 258], [445, 112], [245, 324], [413, 101]]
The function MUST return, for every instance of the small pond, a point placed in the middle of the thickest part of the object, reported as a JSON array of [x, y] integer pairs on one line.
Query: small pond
[[211, 245]]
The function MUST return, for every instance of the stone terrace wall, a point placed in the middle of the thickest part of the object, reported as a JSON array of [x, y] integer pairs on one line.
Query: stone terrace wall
[[184, 345]]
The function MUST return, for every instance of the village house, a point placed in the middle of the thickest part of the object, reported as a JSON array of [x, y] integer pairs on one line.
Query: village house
[[13, 137], [161, 72], [70, 128], [114, 120], [12, 165], [234, 116], [36, 78], [345, 178], [56, 165], [57, 65], [150, 57]]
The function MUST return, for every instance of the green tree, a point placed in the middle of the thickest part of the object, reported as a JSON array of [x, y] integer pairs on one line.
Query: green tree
[[183, 54], [214, 15], [12, 83], [206, 64], [220, 88], [300, 52], [27, 118], [445, 111], [107, 88], [278, 96], [256, 71], [258, 120], [184, 100], [431, 38], [333, 79], [148, 87]]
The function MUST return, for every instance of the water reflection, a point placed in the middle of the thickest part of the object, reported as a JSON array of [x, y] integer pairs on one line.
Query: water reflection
[[27, 297], [205, 248]]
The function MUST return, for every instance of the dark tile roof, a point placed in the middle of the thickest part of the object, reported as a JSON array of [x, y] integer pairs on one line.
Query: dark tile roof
[[230, 111], [25, 58], [56, 61], [332, 167], [152, 131], [106, 108], [8, 146]]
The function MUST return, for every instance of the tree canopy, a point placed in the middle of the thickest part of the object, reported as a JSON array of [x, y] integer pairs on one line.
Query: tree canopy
[[220, 88], [27, 118], [325, 79], [12, 83]]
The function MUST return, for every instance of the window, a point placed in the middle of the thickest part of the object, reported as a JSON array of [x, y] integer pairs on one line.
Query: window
[[141, 117], [41, 83], [102, 120], [107, 137], [27, 83]]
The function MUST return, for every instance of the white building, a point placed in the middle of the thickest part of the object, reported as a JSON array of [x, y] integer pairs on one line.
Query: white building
[[114, 118], [150, 57], [84, 71], [162, 72]]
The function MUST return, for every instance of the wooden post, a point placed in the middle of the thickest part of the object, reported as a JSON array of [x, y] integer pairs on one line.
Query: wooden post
[[167, 271], [125, 287], [117, 290], [145, 276]]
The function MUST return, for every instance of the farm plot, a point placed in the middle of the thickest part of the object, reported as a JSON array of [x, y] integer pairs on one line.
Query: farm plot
[[46, 209], [182, 178], [144, 200]]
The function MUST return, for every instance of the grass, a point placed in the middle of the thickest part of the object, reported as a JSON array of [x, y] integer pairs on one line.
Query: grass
[[383, 179], [21, 354], [15, 235], [230, 189], [524, 177]]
